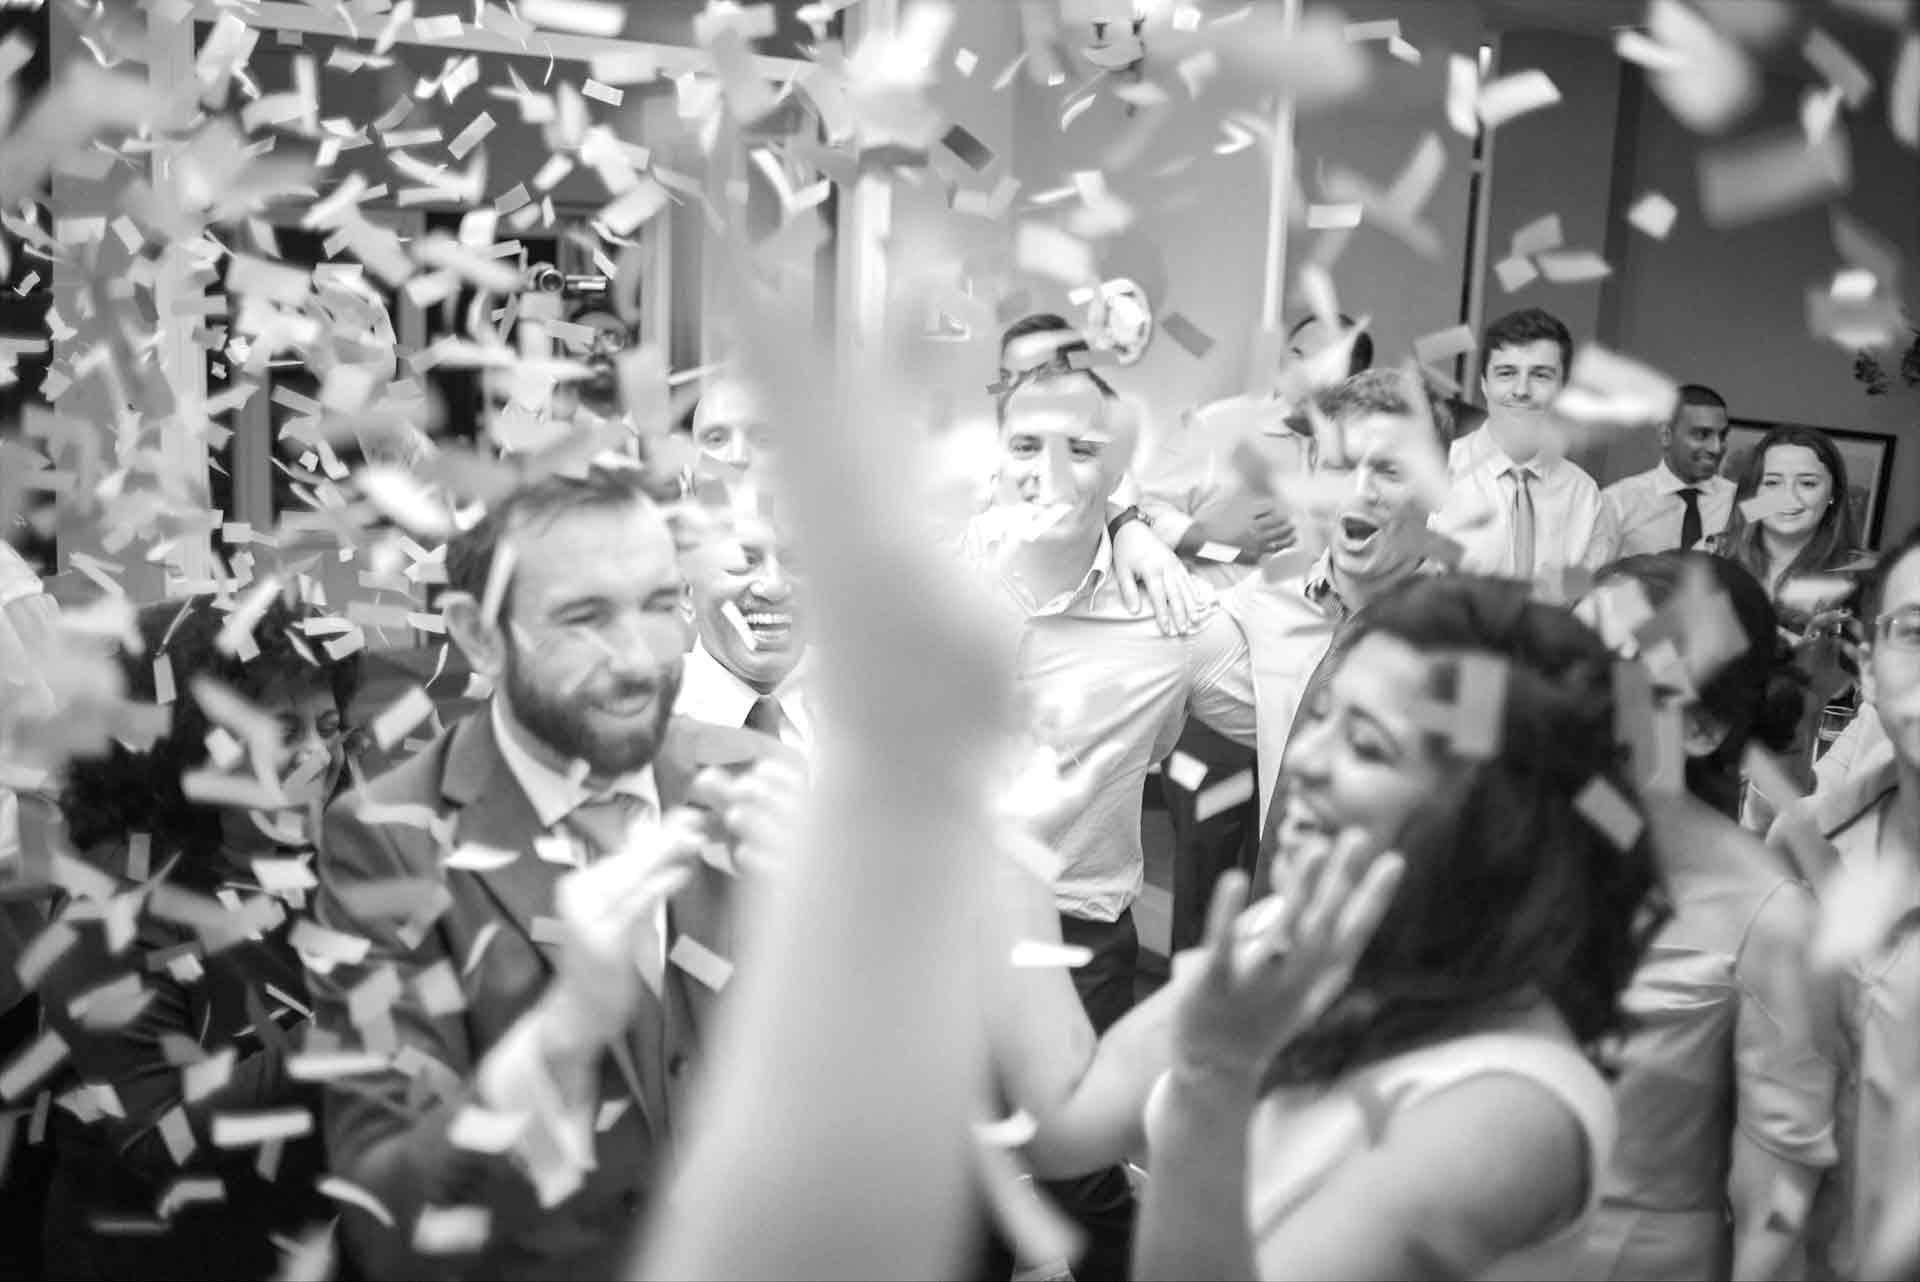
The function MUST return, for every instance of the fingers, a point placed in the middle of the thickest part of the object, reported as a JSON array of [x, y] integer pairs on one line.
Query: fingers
[[1229, 897], [1129, 594], [1157, 597], [1368, 904]]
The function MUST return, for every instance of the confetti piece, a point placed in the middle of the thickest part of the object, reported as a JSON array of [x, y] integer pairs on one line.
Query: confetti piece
[[1573, 266], [439, 989], [177, 1135], [481, 1130], [48, 947], [584, 17], [1903, 93], [1333, 217], [1515, 273], [352, 1194], [1653, 214], [452, 1230], [326, 1066], [962, 143], [393, 722], [1034, 954], [1771, 175], [1480, 701], [965, 61], [602, 93], [1768, 503], [1191, 337], [1007, 1132], [1224, 553], [201, 1079], [1833, 62], [1511, 97], [1229, 792], [1603, 806], [473, 857], [313, 940], [470, 137], [1184, 771], [711, 969], [1708, 83], [1443, 345], [46, 1053]]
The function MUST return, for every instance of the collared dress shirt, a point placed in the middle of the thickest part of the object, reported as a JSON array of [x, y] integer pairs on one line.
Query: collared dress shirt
[[1111, 677], [1478, 513], [711, 693], [1641, 514]]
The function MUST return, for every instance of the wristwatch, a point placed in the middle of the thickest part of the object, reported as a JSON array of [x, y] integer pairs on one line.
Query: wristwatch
[[1126, 514]]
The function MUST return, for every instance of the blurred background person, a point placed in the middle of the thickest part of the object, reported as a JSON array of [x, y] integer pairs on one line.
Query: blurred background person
[[1725, 1099], [210, 991], [1858, 840], [1681, 500]]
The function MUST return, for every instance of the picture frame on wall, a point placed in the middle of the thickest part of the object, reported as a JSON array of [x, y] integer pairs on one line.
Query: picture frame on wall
[[1868, 456]]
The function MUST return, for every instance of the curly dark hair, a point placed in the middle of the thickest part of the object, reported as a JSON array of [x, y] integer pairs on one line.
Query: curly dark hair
[[1509, 891], [107, 798]]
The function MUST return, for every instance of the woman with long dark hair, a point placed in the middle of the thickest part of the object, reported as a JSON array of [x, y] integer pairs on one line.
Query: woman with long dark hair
[[1810, 538], [177, 996], [1440, 1117], [1807, 555], [1725, 1100]]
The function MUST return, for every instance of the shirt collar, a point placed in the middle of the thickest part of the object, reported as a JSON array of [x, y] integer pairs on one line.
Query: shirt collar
[[989, 538], [554, 795], [1319, 590], [712, 693]]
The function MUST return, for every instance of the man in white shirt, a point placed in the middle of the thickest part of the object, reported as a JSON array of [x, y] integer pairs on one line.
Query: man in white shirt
[[1518, 507], [747, 666], [1680, 500], [1102, 679]]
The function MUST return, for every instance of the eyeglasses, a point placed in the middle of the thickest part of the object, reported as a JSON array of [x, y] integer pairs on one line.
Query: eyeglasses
[[1899, 629]]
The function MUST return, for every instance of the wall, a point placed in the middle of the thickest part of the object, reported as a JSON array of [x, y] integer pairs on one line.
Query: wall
[[1199, 245], [1728, 307]]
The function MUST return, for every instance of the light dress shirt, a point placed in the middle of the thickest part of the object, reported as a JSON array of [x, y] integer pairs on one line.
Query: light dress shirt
[[1115, 679], [710, 692], [1641, 514], [1478, 513]]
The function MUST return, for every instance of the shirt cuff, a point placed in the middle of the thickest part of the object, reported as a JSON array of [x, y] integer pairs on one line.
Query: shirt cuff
[[555, 1148]]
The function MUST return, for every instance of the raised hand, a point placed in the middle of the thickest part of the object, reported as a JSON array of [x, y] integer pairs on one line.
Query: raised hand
[[1269, 972]]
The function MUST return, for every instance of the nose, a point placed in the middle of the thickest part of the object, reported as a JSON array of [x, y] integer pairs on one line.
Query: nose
[[735, 451], [772, 584], [1306, 755]]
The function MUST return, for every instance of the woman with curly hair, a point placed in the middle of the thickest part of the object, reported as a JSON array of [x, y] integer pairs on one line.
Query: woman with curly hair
[[1441, 1116], [1725, 1101], [180, 1015]]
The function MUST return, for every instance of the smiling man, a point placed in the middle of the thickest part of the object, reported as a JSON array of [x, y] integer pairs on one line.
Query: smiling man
[[1518, 506], [513, 946], [745, 667], [1680, 500]]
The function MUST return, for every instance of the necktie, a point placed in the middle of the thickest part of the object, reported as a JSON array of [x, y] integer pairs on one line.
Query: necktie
[[605, 823], [766, 715], [1690, 519], [1522, 522]]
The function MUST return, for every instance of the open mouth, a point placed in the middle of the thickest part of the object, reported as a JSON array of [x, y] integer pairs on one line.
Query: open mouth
[[1357, 532], [626, 706], [770, 628]]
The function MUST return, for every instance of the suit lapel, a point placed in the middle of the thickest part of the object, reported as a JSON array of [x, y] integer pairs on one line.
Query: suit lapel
[[495, 811]]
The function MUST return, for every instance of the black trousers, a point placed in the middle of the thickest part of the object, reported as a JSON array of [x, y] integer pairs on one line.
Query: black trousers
[[1205, 848], [1101, 1204]]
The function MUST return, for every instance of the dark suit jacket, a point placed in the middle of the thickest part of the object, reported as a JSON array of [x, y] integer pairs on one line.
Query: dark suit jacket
[[382, 879]]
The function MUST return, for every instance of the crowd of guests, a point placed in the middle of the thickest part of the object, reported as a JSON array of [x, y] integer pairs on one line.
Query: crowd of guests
[[1493, 958]]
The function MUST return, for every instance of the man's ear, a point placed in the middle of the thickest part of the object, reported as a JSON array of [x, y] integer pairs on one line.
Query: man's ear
[[482, 640]]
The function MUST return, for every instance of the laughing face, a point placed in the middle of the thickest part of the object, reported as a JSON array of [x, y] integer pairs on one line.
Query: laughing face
[[596, 633], [1375, 531], [744, 597], [1063, 451], [1359, 760]]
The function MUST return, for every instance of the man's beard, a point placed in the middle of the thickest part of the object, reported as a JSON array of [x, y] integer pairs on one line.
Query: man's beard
[[564, 724]]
